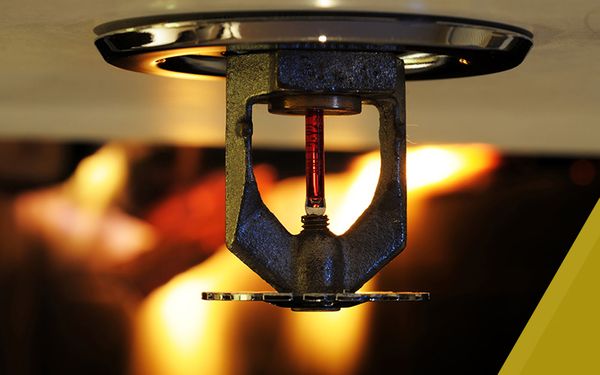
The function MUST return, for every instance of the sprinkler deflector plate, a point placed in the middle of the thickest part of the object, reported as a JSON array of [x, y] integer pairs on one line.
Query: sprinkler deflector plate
[[317, 301], [194, 45]]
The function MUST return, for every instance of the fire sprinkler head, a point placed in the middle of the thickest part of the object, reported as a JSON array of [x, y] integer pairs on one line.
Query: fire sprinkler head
[[314, 64]]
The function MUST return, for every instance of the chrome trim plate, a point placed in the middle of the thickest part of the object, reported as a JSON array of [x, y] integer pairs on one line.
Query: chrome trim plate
[[192, 45]]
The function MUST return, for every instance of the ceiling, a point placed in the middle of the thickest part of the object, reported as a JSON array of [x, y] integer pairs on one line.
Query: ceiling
[[55, 85]]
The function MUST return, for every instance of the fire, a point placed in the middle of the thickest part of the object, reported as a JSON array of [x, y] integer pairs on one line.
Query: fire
[[443, 168], [327, 343], [428, 169], [80, 219], [179, 334], [99, 178]]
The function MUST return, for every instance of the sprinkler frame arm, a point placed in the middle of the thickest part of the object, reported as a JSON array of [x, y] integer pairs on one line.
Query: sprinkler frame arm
[[315, 261]]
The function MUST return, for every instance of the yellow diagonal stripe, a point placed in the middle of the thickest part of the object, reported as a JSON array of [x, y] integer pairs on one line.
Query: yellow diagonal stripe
[[563, 334]]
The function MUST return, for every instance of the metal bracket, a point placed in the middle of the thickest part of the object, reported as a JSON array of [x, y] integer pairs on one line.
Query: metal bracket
[[316, 260]]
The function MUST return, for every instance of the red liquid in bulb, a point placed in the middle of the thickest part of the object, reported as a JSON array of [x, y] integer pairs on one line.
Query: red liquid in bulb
[[315, 163]]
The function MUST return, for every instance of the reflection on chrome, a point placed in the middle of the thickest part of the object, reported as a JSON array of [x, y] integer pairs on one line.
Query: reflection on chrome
[[136, 44], [231, 30], [160, 36], [325, 3], [418, 61]]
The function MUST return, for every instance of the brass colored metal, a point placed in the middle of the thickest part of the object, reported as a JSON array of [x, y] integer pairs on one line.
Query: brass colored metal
[[295, 104]]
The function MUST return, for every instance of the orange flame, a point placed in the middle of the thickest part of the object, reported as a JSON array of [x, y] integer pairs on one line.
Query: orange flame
[[79, 219], [439, 168], [178, 334]]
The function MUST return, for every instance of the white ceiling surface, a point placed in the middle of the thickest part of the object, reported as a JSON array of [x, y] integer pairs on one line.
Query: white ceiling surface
[[54, 84]]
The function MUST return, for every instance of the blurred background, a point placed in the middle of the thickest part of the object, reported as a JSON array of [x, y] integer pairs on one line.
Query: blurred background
[[106, 249]]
